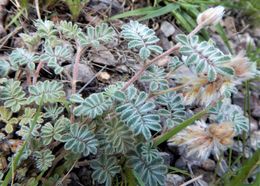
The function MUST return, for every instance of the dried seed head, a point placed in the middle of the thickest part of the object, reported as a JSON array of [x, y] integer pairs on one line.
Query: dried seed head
[[201, 140], [244, 69], [200, 90], [210, 16], [224, 132]]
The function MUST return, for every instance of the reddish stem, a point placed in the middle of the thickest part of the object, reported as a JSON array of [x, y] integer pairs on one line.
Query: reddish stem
[[76, 69], [140, 72], [28, 77], [36, 74], [166, 53], [75, 76]]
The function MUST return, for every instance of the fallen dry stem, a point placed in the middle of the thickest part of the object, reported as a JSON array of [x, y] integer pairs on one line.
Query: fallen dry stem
[[71, 168], [37, 8], [192, 180]]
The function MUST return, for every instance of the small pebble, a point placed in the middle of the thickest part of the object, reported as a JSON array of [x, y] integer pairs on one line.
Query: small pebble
[[255, 140], [85, 73], [167, 28], [209, 165], [256, 112], [180, 163], [174, 180], [172, 147], [253, 124]]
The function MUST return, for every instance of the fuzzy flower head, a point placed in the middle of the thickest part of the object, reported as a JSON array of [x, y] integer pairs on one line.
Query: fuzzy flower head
[[244, 69], [210, 16], [199, 90], [201, 140]]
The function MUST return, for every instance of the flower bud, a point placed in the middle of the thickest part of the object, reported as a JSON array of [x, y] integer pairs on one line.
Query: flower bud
[[210, 16]]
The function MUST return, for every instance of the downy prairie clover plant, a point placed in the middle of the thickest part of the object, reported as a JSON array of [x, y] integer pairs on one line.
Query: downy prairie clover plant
[[115, 129]]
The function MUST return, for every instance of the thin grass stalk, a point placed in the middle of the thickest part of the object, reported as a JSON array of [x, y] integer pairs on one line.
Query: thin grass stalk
[[166, 136], [248, 167]]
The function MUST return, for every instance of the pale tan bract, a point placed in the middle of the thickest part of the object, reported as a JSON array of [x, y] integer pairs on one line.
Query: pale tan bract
[[244, 69]]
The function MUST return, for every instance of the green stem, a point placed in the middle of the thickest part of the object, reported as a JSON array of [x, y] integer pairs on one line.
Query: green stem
[[38, 178], [247, 113], [11, 170], [229, 158], [129, 176]]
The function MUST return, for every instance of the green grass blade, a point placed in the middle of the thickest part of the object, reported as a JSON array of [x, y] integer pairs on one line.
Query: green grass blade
[[191, 9], [137, 12], [190, 13], [175, 170], [189, 20], [161, 11], [247, 168], [182, 21], [166, 136], [253, 54], [257, 180], [220, 30], [205, 2], [24, 4], [246, 112], [75, 7], [50, 3], [16, 17]]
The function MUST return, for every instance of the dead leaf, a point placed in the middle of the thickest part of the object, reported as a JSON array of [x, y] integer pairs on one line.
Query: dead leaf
[[3, 163]]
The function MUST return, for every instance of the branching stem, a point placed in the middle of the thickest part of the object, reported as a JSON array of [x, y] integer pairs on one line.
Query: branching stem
[[173, 89], [154, 60], [149, 63]]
